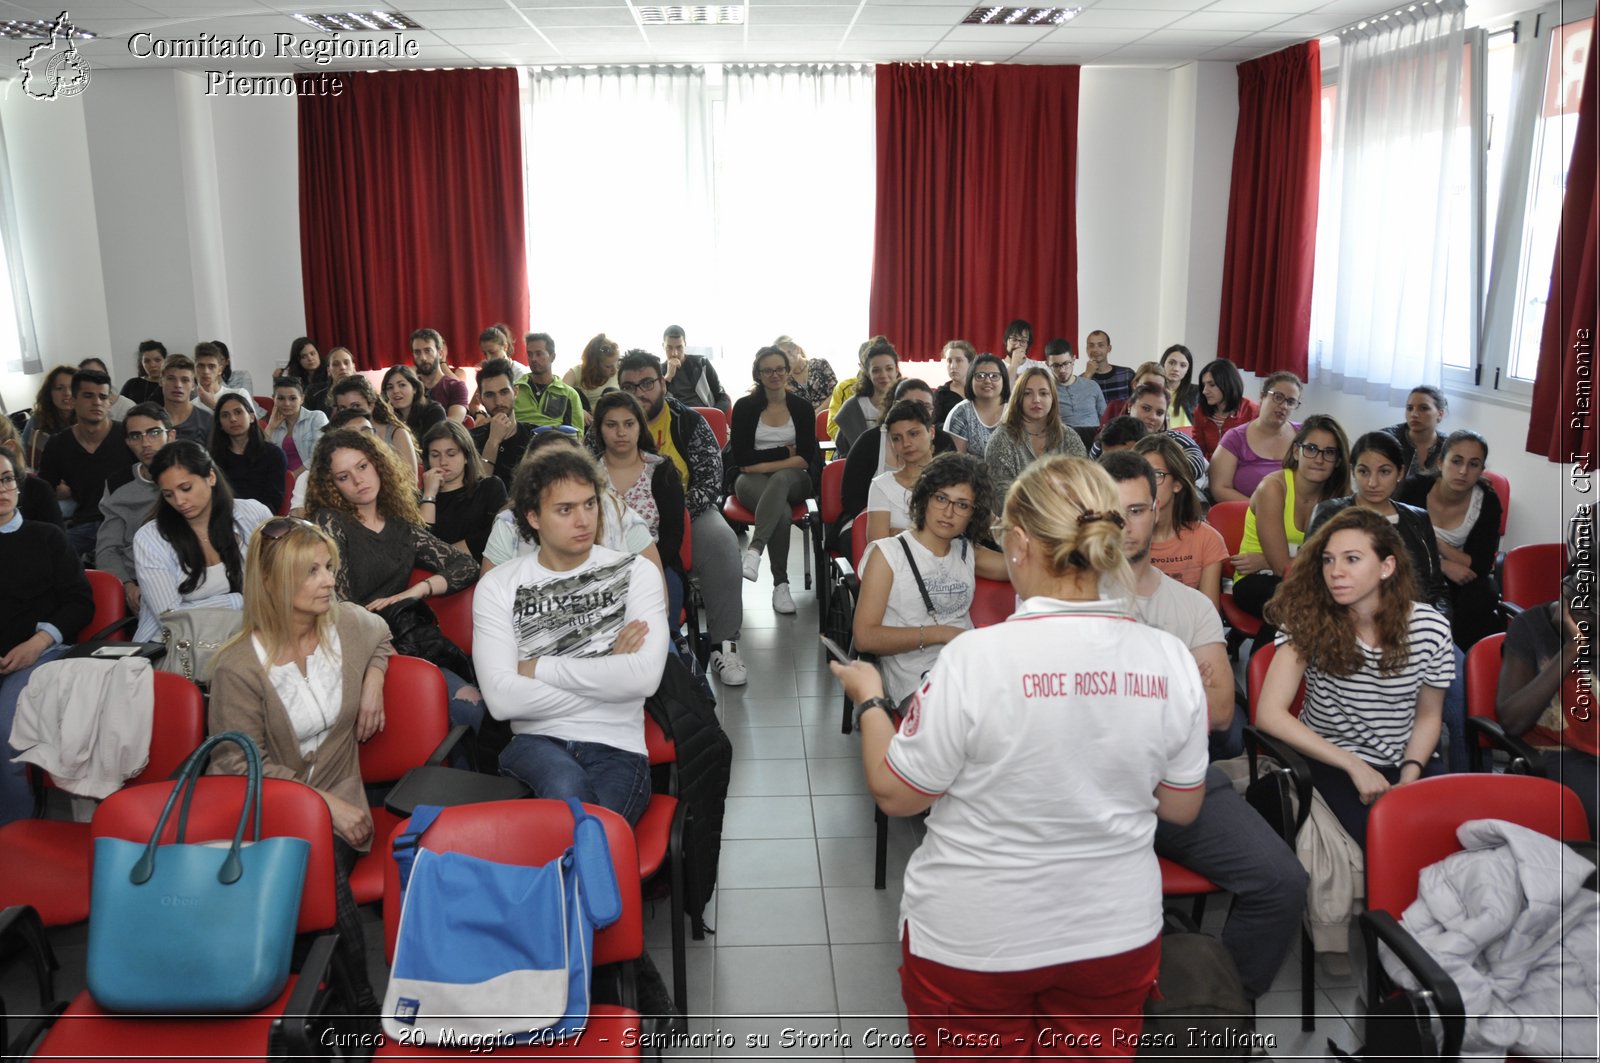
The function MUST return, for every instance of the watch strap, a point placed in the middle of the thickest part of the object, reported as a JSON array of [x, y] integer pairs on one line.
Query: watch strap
[[874, 703]]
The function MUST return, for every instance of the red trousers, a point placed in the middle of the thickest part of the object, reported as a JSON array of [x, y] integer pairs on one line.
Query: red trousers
[[1089, 1009]]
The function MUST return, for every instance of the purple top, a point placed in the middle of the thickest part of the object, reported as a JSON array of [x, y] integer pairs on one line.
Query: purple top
[[449, 392], [1253, 468]]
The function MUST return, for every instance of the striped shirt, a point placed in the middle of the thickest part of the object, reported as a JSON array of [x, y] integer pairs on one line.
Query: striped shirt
[[1371, 714]]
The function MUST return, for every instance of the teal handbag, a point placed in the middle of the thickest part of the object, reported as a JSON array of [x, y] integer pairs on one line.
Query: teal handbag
[[198, 928]]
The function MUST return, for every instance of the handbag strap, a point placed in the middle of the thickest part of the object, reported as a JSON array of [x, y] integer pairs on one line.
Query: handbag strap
[[406, 844], [916, 574], [597, 878], [188, 781]]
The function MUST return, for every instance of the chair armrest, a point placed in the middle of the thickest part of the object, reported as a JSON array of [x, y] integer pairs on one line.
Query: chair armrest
[[448, 746], [813, 510], [1510, 611], [1531, 761], [1381, 926], [310, 997], [1292, 762], [846, 572], [127, 623]]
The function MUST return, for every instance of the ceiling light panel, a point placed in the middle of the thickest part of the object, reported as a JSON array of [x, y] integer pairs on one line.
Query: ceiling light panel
[[39, 29], [721, 15], [359, 21], [1019, 16]]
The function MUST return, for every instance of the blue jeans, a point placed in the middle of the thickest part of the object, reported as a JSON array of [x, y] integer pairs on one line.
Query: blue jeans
[[16, 800], [1230, 844], [81, 537], [674, 600], [463, 710], [593, 772], [1453, 737]]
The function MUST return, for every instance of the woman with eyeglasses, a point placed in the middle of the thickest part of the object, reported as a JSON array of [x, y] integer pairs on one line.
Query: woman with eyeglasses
[[45, 602], [952, 498], [1031, 429], [1034, 901], [304, 679], [253, 466], [408, 398], [191, 554], [1221, 405], [36, 499], [1315, 469], [976, 417], [1465, 513], [294, 427], [1248, 454], [1185, 547], [773, 443]]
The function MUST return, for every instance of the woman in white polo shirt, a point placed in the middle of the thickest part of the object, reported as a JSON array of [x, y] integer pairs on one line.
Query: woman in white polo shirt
[[1045, 746]]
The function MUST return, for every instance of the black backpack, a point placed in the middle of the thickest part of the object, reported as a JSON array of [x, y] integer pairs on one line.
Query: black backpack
[[1201, 1011], [684, 708]]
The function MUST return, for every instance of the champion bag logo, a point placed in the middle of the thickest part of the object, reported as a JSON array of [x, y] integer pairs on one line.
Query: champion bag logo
[[405, 1010]]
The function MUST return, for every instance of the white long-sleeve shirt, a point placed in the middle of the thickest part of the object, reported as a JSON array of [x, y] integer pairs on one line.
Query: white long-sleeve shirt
[[569, 620]]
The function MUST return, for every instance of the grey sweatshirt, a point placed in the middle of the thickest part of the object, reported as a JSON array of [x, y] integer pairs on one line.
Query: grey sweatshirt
[[124, 509]]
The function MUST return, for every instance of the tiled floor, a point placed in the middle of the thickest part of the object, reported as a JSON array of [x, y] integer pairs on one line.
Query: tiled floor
[[804, 961]]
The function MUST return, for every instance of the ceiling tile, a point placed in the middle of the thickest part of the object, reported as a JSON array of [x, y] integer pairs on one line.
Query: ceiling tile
[[908, 34], [801, 16], [607, 34], [1124, 18], [1311, 25], [1176, 53], [1079, 36], [1285, 7], [849, 5], [974, 51], [1197, 40], [1243, 21], [467, 38], [1235, 54], [474, 18], [691, 36], [912, 16], [809, 34], [581, 16], [999, 34], [1145, 5]]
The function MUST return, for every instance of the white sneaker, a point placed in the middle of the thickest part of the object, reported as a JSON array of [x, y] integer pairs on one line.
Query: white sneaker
[[726, 663], [752, 564], [782, 600]]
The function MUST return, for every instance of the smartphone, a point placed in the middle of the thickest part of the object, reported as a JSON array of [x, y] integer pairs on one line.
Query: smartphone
[[834, 650]]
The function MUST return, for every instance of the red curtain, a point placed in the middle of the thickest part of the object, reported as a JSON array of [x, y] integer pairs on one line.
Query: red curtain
[[1272, 212], [976, 206], [411, 211], [1561, 426]]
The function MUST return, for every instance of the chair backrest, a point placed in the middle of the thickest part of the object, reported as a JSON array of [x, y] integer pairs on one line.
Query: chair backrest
[[992, 602], [1256, 678], [717, 420], [288, 495], [658, 746], [416, 711], [686, 548], [858, 542], [453, 610], [288, 809], [265, 402], [1185, 430], [830, 501], [822, 425], [110, 604], [529, 832], [1413, 826], [1532, 574], [1502, 487], [1228, 519], [177, 726], [1483, 675]]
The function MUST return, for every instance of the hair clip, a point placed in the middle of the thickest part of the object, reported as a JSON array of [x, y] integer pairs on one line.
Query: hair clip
[[1090, 516]]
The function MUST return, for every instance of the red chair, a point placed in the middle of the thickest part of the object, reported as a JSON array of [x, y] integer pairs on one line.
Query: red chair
[[288, 495], [993, 602], [533, 832], [824, 440], [1179, 881], [1185, 430], [692, 599], [1228, 519], [264, 402], [1414, 826], [1502, 487], [1532, 575], [110, 619], [288, 809], [1483, 689], [453, 610], [416, 731], [659, 837], [826, 509], [47, 860], [717, 420], [800, 516]]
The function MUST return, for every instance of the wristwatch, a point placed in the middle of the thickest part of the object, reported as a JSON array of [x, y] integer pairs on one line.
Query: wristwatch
[[874, 703]]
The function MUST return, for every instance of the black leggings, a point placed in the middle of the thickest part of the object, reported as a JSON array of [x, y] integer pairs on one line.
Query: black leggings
[[1345, 802]]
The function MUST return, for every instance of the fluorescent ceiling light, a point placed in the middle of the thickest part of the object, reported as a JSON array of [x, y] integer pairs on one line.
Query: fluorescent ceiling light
[[360, 22], [1019, 16], [657, 15], [31, 29]]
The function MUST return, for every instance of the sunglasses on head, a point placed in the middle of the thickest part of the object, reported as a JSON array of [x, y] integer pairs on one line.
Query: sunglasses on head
[[278, 527]]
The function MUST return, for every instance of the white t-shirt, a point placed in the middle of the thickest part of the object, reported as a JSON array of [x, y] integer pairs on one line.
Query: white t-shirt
[[1178, 610], [950, 581], [1456, 538], [885, 495], [1046, 737], [624, 531], [581, 691], [769, 436], [1371, 714]]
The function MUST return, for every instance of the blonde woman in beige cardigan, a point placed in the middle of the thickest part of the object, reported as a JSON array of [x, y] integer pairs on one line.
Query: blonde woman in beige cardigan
[[304, 679]]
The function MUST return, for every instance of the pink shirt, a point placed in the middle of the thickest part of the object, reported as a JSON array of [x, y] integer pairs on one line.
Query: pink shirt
[[1186, 555]]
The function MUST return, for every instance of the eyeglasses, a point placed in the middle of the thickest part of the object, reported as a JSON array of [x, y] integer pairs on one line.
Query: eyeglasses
[[1283, 400], [634, 387], [1311, 450], [1161, 475], [8, 482], [1137, 510], [986, 376], [148, 433], [944, 501], [998, 529], [278, 527], [774, 370]]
